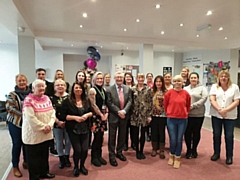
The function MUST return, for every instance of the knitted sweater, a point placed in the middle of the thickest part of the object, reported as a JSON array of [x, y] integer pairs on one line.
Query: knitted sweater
[[37, 114]]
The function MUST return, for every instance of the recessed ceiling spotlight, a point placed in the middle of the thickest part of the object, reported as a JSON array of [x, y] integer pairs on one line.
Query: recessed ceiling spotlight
[[158, 6], [96, 44], [172, 49], [125, 29], [220, 29], [225, 38], [85, 15], [127, 47], [197, 35], [137, 20], [72, 45], [162, 32], [209, 13], [181, 24], [101, 46], [81, 26]]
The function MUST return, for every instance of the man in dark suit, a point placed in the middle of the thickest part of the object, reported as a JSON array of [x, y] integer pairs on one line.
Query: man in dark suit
[[119, 102]]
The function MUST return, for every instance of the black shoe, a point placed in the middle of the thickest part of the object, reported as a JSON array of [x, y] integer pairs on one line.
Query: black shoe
[[138, 155], [67, 162], [121, 157], [188, 155], [62, 162], [76, 172], [96, 162], [125, 148], [47, 176], [83, 170], [102, 161], [113, 162], [229, 161], [194, 154], [133, 147], [215, 157], [142, 155], [53, 152]]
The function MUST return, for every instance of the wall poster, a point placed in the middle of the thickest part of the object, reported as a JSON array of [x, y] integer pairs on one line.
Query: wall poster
[[167, 70], [134, 69]]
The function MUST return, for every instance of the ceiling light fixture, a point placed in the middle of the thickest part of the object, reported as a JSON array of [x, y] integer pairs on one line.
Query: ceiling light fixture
[[209, 13], [127, 47], [81, 26], [101, 46], [125, 29], [220, 29], [162, 32], [85, 15], [199, 28], [225, 38], [158, 6], [197, 35], [137, 20], [181, 24], [172, 49], [72, 45]]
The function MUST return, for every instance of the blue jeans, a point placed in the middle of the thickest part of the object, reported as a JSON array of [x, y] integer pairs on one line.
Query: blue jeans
[[61, 135], [228, 125], [176, 128], [16, 135]]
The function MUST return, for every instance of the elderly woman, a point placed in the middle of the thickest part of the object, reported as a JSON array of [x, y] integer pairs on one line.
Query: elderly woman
[[129, 81], [196, 114], [99, 124], [76, 112], [141, 115], [177, 105], [59, 129], [38, 120], [224, 98], [60, 75], [159, 119], [14, 120]]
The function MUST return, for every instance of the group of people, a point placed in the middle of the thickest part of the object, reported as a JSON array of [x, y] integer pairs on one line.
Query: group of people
[[42, 111]]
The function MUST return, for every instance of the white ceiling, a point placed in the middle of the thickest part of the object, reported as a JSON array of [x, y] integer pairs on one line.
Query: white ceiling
[[55, 23]]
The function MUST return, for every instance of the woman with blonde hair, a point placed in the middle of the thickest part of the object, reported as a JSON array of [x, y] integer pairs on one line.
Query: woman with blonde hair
[[224, 98], [60, 75], [185, 73], [14, 121], [177, 105]]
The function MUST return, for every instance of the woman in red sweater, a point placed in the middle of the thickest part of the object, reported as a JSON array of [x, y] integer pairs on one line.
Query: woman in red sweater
[[177, 105]]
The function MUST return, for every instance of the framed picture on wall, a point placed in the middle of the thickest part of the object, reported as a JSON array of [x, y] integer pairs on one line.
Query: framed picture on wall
[[167, 70]]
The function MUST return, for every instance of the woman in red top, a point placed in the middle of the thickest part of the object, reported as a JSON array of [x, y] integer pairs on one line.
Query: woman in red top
[[177, 105]]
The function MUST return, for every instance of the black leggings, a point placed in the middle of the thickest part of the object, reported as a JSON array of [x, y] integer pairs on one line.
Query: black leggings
[[136, 139], [193, 132], [158, 126], [80, 147]]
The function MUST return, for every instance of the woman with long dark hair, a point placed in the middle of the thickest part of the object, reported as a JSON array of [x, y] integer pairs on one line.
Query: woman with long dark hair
[[76, 112], [159, 119]]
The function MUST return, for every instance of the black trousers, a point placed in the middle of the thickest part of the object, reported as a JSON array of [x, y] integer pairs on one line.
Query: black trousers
[[118, 128], [97, 145], [193, 132], [129, 131], [37, 156], [136, 139], [80, 147], [158, 126]]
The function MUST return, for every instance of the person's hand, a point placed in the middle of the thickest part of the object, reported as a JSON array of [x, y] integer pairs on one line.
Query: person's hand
[[223, 113], [191, 107], [79, 118], [61, 124], [85, 117], [121, 114], [149, 119], [47, 129], [104, 117]]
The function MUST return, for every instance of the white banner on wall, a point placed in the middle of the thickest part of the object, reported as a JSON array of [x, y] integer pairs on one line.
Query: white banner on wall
[[190, 60]]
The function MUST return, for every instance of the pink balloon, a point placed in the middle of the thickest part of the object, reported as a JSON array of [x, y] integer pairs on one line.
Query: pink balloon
[[91, 64], [220, 64]]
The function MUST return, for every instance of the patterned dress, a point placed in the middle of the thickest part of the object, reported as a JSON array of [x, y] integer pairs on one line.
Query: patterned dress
[[142, 106]]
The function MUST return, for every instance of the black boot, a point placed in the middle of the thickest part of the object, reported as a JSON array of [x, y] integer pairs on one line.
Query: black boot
[[62, 162], [67, 162]]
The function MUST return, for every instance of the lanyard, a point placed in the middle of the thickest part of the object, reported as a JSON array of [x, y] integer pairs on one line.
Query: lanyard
[[101, 94]]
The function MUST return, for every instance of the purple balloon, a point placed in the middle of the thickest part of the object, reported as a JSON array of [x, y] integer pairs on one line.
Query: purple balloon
[[91, 64]]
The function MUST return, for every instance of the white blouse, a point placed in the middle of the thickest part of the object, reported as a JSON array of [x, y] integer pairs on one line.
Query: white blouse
[[224, 99]]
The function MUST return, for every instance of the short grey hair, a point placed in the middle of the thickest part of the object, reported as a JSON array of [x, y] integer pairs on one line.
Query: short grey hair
[[119, 73], [38, 81]]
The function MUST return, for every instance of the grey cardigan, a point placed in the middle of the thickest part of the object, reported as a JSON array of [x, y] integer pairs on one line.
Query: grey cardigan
[[199, 96]]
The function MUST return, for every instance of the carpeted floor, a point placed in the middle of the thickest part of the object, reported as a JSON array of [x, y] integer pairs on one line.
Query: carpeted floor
[[152, 168]]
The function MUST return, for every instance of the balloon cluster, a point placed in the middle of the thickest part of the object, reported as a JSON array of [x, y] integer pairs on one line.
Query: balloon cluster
[[91, 62]]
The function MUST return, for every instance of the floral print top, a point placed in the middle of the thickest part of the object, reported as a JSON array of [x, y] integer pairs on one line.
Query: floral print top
[[142, 106], [158, 106]]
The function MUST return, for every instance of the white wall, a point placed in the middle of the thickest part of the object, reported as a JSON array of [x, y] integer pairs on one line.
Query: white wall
[[162, 59], [9, 68]]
